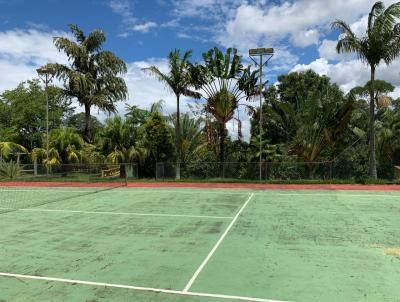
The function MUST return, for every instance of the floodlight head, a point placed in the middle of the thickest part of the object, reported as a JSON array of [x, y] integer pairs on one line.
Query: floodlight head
[[45, 70], [261, 51]]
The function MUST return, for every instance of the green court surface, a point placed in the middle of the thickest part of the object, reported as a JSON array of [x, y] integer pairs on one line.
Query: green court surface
[[181, 245]]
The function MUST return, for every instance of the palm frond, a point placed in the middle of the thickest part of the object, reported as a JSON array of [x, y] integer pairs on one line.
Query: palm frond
[[94, 41], [163, 78], [191, 93], [77, 32]]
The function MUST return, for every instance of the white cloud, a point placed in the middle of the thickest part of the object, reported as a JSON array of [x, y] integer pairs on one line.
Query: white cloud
[[306, 38], [302, 23], [30, 46], [144, 27], [346, 70], [348, 74], [144, 89], [205, 9], [290, 18], [123, 8], [360, 26], [23, 51], [327, 50], [129, 21]]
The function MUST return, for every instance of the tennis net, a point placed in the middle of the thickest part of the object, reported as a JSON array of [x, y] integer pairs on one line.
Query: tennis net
[[22, 194]]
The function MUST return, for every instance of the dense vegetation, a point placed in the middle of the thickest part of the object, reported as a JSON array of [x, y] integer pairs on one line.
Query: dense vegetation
[[306, 117]]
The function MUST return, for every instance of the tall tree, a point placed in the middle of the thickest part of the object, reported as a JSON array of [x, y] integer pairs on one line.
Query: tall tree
[[178, 79], [157, 139], [24, 109], [223, 83], [309, 122], [381, 88], [77, 122], [381, 43], [93, 76]]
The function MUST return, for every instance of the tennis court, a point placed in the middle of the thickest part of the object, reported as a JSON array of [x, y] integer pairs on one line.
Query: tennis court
[[208, 245]]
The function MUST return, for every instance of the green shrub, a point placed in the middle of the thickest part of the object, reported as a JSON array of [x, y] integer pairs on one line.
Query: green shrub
[[9, 170]]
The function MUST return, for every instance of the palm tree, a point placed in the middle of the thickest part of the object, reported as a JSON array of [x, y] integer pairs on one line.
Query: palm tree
[[118, 142], [192, 139], [388, 134], [381, 43], [223, 82], [92, 77], [313, 124], [40, 155], [7, 148], [178, 79], [66, 146], [68, 143]]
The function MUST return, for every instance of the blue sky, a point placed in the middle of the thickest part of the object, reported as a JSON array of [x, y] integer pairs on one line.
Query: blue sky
[[143, 32]]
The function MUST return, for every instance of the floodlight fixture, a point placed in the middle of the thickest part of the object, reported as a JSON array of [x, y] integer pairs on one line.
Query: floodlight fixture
[[45, 70], [261, 53], [46, 74]]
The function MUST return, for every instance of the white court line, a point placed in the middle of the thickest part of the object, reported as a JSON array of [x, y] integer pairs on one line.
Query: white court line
[[132, 189], [117, 213], [125, 213], [337, 194], [203, 264], [222, 191], [139, 288]]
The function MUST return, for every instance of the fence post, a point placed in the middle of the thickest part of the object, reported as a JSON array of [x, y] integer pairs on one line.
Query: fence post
[[266, 171], [35, 166]]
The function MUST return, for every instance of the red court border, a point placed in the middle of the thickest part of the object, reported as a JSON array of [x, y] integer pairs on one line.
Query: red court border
[[194, 185]]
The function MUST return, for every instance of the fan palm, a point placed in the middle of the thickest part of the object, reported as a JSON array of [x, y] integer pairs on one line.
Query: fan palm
[[223, 82], [178, 79], [92, 77], [381, 43]]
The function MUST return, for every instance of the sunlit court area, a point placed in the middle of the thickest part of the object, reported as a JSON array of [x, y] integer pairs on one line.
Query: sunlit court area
[[174, 244]]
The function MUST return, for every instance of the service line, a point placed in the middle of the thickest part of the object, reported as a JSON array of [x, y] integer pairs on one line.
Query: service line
[[203, 264]]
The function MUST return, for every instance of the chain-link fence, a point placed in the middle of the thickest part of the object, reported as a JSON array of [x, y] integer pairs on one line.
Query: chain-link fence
[[71, 172], [247, 170], [251, 171]]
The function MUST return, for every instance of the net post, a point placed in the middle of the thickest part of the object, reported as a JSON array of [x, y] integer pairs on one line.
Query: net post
[[126, 176]]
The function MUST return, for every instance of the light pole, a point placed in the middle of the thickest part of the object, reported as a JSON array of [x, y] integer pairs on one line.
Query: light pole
[[268, 53], [46, 74]]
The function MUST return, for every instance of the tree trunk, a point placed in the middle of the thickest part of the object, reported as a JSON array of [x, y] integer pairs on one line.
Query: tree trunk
[[88, 135], [221, 149], [178, 139], [372, 143]]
